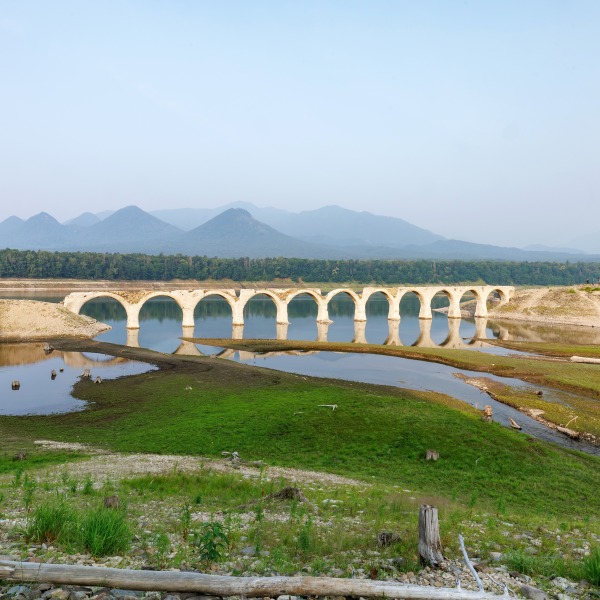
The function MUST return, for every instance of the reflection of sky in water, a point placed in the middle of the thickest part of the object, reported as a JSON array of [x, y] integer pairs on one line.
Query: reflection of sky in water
[[40, 394]]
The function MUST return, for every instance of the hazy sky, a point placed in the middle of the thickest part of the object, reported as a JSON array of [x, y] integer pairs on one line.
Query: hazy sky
[[478, 120]]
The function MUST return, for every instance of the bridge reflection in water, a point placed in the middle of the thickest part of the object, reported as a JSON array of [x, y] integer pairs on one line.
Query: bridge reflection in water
[[453, 339]]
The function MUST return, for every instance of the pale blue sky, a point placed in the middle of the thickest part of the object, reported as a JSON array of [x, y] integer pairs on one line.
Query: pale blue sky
[[478, 120]]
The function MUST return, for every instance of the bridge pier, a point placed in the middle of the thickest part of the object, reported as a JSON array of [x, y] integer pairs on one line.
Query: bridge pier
[[424, 340], [480, 328], [360, 331], [133, 338], [393, 337], [454, 311], [322, 330]]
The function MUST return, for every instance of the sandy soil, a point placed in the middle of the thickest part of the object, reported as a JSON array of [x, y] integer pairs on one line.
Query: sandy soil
[[111, 465], [577, 305], [22, 320]]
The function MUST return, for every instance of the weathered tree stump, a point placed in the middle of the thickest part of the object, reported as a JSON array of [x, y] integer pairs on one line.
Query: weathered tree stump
[[487, 413], [432, 455], [430, 545]]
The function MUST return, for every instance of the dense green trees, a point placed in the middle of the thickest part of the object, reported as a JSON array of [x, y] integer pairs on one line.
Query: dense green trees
[[89, 265]]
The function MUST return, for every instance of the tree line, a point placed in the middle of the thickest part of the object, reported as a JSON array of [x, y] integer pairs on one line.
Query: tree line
[[131, 267]]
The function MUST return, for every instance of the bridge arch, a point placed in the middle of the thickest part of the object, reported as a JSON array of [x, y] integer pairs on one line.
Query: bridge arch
[[207, 309], [349, 292], [321, 302], [280, 305]]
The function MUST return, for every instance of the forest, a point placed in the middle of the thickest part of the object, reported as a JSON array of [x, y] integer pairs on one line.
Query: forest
[[28, 264]]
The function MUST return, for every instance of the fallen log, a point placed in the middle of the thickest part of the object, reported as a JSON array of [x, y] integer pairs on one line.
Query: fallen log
[[574, 435], [221, 585], [585, 359]]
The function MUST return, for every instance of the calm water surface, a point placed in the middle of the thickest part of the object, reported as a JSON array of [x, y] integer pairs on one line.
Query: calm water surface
[[160, 329]]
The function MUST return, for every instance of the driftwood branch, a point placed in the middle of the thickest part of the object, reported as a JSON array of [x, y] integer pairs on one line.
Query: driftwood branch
[[219, 585], [468, 562]]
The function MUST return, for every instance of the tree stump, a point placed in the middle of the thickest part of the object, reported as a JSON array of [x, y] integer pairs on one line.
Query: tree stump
[[430, 545], [487, 413], [432, 455]]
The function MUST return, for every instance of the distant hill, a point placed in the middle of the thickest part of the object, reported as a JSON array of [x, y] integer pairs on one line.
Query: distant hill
[[129, 229], [340, 226], [330, 225], [331, 232], [236, 233], [84, 220]]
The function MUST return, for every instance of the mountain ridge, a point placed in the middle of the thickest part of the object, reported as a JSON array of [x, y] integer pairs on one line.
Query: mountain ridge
[[335, 233]]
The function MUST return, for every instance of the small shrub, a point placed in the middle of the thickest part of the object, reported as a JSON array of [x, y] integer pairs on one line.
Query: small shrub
[[50, 523], [29, 487], [305, 537], [88, 486], [591, 566], [211, 542], [105, 532], [18, 475], [162, 546], [185, 519]]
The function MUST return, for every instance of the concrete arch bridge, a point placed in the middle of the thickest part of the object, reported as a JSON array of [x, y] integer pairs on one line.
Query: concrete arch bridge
[[187, 300]]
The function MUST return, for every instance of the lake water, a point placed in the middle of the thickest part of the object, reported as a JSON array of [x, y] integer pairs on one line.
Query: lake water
[[160, 329]]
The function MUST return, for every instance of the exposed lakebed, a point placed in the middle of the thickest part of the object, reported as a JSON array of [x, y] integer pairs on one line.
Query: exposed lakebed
[[160, 330]]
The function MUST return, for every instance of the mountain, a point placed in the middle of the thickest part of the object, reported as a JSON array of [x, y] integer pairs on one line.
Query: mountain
[[8, 227], [330, 225], [129, 229], [236, 233], [85, 219], [340, 226], [329, 233], [190, 218], [458, 250], [42, 231]]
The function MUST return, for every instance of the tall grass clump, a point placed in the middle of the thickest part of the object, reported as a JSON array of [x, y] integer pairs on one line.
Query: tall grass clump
[[51, 522], [104, 532], [591, 566]]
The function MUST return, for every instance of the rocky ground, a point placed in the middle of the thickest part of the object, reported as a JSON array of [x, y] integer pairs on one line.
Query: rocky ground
[[247, 560]]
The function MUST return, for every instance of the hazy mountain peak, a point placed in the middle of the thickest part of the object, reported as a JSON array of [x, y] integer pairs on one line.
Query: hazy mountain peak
[[42, 218], [85, 219]]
